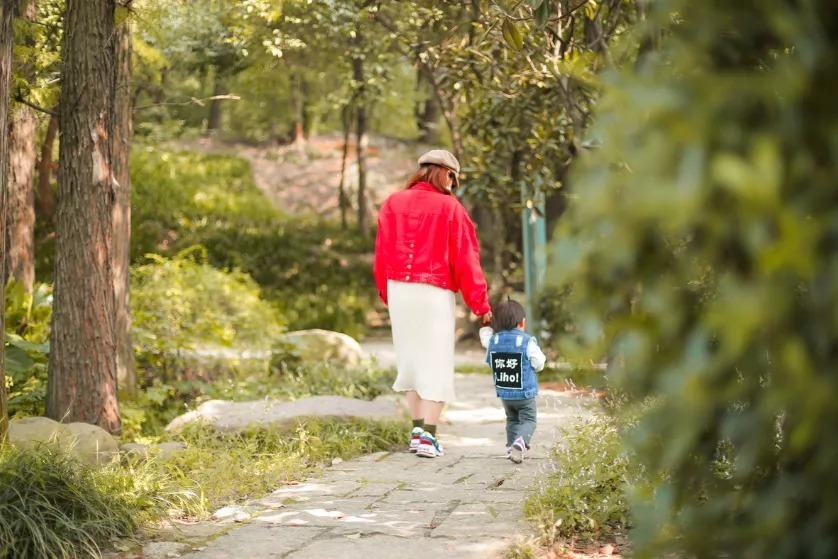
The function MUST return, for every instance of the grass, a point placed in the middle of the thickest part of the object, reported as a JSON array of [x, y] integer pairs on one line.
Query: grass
[[244, 380], [232, 468], [54, 506], [582, 494]]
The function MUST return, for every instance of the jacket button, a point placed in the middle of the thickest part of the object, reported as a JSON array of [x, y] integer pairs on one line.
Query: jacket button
[[411, 245], [410, 256], [408, 266], [407, 277]]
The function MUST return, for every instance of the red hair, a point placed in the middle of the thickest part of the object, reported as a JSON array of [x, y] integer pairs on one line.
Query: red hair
[[435, 175]]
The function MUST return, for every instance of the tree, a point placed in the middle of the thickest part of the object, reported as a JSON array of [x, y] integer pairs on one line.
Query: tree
[[702, 250], [121, 253], [21, 212], [82, 383], [7, 11], [360, 126]]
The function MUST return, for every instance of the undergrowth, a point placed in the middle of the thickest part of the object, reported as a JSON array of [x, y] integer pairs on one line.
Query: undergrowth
[[230, 468], [54, 506]]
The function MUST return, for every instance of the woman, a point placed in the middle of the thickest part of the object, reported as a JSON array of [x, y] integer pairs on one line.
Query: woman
[[426, 250]]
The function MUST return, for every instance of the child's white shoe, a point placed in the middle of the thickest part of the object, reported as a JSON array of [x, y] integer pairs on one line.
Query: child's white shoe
[[517, 450]]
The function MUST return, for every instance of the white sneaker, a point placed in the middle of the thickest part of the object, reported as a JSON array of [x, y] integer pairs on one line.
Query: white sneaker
[[428, 447], [517, 450], [415, 435]]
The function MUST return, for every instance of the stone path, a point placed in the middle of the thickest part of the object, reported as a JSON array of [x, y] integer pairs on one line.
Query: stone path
[[465, 504]]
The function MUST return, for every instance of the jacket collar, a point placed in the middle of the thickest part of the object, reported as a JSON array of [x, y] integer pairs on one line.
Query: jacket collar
[[428, 187]]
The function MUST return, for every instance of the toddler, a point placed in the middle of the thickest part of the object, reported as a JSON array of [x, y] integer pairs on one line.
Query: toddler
[[514, 357]]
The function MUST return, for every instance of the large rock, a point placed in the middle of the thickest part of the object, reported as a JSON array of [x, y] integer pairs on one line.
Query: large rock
[[30, 432], [92, 443], [227, 416], [325, 345]]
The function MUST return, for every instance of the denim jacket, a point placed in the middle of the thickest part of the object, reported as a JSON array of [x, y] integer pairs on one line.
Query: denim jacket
[[512, 371]]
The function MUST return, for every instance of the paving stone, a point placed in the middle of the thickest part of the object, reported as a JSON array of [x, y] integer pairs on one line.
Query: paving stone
[[466, 504], [256, 541], [475, 520], [349, 547]]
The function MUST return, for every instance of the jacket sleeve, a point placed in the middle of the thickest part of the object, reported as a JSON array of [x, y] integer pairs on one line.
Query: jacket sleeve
[[464, 254], [379, 266], [535, 355]]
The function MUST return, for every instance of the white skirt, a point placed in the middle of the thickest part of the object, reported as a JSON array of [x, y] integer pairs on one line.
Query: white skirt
[[422, 318]]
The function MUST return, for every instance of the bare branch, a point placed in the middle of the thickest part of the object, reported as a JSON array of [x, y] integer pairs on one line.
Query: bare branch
[[20, 99], [191, 101]]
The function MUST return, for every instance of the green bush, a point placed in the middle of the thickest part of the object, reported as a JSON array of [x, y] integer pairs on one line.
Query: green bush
[[582, 493], [317, 272], [54, 506], [703, 251], [181, 306]]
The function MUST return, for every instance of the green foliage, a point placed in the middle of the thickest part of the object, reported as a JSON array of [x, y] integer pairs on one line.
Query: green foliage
[[315, 271], [703, 252], [27, 347], [230, 468], [364, 382], [53, 505], [582, 493], [180, 305], [246, 380]]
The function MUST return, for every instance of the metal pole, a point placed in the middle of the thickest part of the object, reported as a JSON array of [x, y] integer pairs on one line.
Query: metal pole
[[534, 248]]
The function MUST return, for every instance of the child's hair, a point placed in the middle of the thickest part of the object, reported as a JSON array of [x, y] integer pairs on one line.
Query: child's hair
[[508, 315]]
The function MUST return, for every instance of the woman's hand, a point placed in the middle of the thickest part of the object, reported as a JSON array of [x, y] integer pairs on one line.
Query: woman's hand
[[487, 318]]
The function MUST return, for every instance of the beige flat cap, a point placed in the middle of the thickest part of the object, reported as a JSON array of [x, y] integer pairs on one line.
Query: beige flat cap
[[443, 158]]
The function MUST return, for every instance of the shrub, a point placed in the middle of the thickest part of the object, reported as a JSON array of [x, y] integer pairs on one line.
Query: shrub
[[582, 492], [704, 249], [181, 306], [317, 272]]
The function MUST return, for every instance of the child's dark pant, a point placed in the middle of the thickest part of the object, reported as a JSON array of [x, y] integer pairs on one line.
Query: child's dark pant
[[520, 419]]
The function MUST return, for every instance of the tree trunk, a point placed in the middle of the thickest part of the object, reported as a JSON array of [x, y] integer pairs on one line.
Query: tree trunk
[[7, 13], [20, 216], [46, 201], [430, 116], [214, 119], [121, 255], [361, 132], [82, 362], [418, 109], [343, 199], [20, 213]]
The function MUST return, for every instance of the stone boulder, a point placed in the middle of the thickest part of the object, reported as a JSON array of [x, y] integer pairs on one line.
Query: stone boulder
[[30, 432], [92, 443], [231, 417], [325, 345]]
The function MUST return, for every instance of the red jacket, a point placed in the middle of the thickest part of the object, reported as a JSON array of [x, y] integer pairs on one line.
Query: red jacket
[[426, 236]]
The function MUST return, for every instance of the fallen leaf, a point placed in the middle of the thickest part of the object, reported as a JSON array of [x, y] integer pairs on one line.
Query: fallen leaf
[[353, 536], [607, 550]]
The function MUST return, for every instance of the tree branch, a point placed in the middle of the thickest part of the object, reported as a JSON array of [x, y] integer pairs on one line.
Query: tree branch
[[20, 99], [191, 101]]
